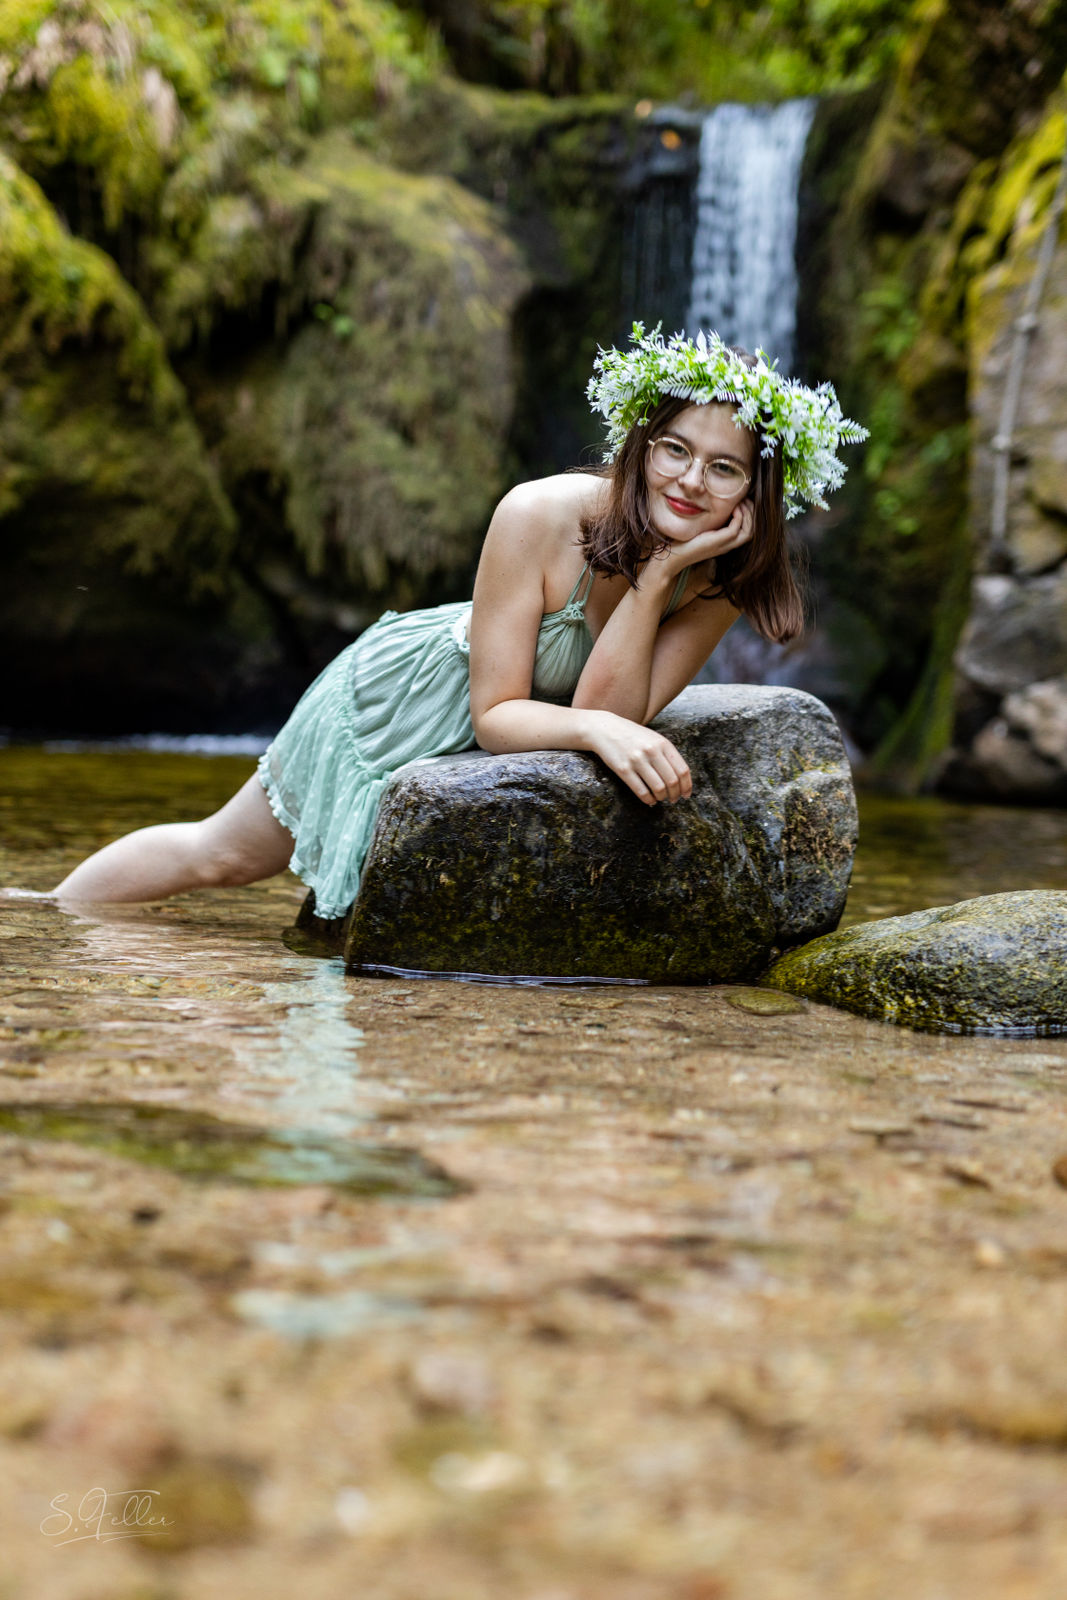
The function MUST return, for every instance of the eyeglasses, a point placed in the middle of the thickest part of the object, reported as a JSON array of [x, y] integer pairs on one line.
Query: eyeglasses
[[723, 478]]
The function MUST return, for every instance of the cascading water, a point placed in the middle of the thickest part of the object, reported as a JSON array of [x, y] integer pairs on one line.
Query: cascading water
[[744, 286], [744, 282], [710, 242]]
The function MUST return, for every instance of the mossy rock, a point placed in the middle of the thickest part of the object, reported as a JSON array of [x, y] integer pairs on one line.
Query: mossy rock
[[95, 429], [377, 432], [546, 865], [994, 965]]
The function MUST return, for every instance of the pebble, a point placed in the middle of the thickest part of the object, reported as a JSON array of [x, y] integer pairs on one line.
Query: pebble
[[764, 1002], [452, 1380], [879, 1128], [951, 1119], [481, 1474], [351, 1509], [968, 1172]]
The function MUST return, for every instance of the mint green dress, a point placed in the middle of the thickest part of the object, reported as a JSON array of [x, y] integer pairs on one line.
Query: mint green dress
[[400, 692]]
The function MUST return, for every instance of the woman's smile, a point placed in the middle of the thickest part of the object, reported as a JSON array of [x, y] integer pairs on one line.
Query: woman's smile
[[683, 508]]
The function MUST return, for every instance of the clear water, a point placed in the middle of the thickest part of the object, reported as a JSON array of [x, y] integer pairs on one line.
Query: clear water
[[727, 1274]]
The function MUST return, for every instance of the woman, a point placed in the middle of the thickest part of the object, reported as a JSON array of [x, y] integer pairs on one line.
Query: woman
[[710, 450]]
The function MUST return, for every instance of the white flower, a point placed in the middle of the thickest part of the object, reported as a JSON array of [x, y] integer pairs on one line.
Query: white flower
[[807, 423]]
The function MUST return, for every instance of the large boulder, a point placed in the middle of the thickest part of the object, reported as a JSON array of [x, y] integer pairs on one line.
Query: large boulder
[[546, 865], [997, 964]]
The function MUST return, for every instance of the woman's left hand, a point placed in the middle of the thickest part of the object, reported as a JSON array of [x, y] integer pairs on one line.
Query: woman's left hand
[[682, 553]]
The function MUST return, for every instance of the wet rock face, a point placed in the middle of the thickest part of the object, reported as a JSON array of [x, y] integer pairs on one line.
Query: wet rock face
[[1011, 722], [544, 864], [991, 965], [1010, 734]]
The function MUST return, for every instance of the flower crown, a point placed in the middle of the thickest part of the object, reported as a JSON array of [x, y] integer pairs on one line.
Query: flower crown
[[807, 423]]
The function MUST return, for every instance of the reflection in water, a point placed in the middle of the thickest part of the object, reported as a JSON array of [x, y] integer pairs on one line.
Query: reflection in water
[[290, 1041], [307, 1059], [196, 1145]]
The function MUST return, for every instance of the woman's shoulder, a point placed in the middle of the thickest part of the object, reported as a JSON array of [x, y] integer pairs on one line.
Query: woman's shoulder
[[536, 527], [563, 497]]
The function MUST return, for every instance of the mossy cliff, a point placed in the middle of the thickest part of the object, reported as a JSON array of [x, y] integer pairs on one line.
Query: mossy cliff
[[924, 208], [269, 279], [106, 488], [1010, 685]]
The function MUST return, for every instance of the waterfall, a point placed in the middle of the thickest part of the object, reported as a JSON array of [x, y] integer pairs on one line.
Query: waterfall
[[743, 282]]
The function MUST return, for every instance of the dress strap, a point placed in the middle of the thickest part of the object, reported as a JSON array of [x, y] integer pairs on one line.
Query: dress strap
[[573, 598], [679, 590]]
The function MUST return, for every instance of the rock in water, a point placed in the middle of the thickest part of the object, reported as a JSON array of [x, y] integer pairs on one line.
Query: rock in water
[[546, 865], [997, 964]]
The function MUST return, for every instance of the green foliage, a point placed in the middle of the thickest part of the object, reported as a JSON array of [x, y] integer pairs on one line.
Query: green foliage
[[339, 324], [890, 319], [710, 49], [127, 91]]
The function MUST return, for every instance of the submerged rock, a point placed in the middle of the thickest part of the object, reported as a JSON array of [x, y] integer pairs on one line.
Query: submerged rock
[[545, 865], [997, 964]]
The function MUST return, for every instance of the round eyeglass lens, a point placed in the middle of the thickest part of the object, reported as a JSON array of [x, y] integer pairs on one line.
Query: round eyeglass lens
[[725, 477], [722, 477]]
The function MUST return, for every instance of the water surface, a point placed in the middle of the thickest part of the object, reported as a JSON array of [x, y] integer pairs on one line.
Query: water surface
[[597, 1294]]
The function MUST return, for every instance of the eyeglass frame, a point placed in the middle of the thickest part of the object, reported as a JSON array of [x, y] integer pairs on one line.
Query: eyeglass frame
[[705, 463]]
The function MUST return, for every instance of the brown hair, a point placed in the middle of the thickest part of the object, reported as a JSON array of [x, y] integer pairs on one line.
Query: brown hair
[[758, 577]]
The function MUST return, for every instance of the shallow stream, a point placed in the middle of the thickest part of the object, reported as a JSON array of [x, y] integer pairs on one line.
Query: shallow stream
[[554, 1293]]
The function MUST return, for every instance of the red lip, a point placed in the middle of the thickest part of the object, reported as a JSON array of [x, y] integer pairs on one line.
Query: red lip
[[684, 508]]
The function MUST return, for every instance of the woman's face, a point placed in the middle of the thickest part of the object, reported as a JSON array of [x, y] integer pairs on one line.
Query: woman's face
[[681, 507]]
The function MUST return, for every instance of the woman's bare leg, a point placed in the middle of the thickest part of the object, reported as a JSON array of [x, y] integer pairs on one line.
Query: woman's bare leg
[[239, 844]]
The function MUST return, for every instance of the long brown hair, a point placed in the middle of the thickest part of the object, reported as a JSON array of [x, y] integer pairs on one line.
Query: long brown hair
[[758, 577]]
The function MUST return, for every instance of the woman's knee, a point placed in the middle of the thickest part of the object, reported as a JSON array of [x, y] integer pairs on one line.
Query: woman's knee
[[226, 861]]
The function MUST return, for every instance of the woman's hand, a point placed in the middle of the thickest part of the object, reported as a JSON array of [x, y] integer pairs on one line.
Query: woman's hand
[[645, 761], [682, 553]]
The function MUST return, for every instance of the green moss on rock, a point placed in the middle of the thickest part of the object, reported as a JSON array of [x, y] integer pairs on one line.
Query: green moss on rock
[[131, 92], [96, 425], [994, 965], [380, 425]]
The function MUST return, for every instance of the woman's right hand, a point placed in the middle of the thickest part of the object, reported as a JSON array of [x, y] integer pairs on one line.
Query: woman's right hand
[[645, 761]]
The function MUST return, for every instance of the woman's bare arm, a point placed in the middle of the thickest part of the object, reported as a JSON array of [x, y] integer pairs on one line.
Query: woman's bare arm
[[508, 606], [638, 665]]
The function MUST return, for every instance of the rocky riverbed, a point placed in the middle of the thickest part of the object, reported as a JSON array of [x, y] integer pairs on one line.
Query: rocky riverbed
[[688, 1293]]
